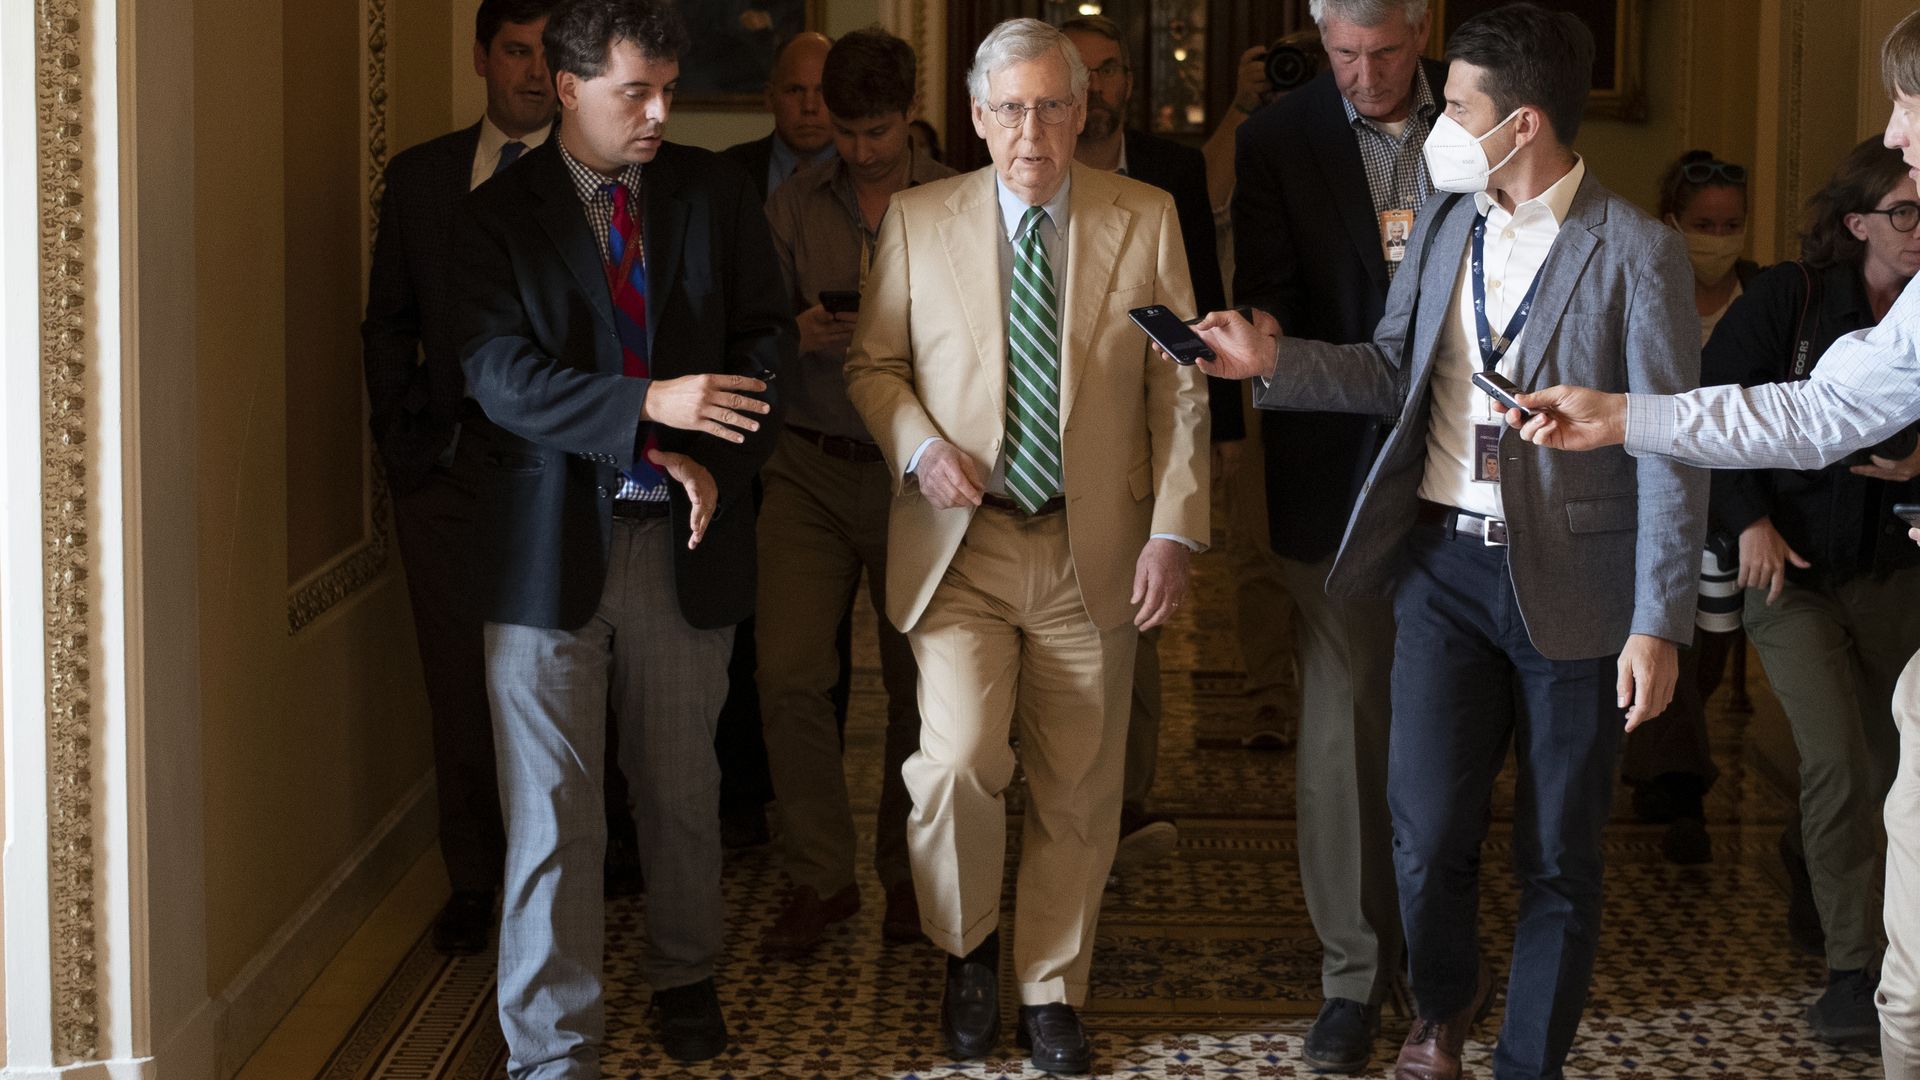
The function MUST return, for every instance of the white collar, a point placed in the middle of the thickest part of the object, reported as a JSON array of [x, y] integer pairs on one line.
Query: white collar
[[1013, 207], [1557, 200], [492, 138]]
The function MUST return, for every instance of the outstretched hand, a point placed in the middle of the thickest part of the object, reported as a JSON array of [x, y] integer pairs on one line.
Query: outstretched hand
[[1241, 349], [701, 490], [1571, 418]]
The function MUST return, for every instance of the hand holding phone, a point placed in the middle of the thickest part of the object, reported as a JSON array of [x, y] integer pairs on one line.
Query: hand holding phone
[[1501, 389], [840, 301], [1908, 512], [1172, 334]]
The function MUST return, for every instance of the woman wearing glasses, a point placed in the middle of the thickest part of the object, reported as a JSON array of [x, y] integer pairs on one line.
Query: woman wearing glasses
[[1833, 585]]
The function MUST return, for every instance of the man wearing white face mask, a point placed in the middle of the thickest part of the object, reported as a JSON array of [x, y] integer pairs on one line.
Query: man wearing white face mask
[[1518, 577]]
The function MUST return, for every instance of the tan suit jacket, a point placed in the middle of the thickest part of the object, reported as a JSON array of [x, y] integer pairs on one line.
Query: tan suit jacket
[[929, 358]]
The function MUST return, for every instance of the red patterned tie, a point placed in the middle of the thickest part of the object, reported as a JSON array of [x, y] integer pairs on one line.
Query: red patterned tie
[[626, 250]]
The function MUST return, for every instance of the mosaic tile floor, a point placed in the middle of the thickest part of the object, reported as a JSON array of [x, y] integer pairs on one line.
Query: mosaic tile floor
[[1207, 966]]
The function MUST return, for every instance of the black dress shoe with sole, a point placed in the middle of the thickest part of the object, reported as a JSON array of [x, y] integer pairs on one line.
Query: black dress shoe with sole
[[1341, 1039], [970, 1010], [1055, 1038], [691, 1025], [462, 927]]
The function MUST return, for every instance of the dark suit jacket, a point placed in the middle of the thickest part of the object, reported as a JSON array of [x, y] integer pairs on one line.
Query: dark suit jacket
[[1307, 248], [415, 403], [1181, 172], [543, 358], [755, 157]]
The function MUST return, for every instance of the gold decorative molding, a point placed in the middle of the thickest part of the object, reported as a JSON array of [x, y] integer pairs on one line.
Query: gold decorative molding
[[347, 574], [60, 61]]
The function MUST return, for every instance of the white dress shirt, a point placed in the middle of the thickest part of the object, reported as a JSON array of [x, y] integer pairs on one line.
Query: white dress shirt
[[1865, 388], [487, 154], [1516, 248]]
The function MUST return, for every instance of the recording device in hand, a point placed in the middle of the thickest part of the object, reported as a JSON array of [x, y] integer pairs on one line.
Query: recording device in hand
[[1908, 512], [840, 301], [1289, 66], [1171, 333], [1501, 389]]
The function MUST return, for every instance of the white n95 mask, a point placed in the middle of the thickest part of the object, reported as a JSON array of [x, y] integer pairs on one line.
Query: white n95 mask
[[1456, 161]]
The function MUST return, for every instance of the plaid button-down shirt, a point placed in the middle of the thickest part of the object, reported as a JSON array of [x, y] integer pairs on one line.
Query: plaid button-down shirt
[[1396, 170]]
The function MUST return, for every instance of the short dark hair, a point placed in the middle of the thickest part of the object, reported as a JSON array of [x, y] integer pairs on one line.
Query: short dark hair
[[581, 32], [1101, 26], [1531, 56], [1677, 192], [868, 73], [494, 14], [1863, 178]]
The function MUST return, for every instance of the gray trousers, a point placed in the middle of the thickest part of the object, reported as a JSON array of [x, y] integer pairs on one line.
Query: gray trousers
[[1346, 835], [550, 690]]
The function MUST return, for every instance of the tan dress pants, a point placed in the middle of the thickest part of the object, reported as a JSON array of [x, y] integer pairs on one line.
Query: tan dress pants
[[1899, 995], [1006, 638]]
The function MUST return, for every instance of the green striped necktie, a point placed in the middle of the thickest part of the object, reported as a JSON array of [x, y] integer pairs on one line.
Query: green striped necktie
[[1034, 473]]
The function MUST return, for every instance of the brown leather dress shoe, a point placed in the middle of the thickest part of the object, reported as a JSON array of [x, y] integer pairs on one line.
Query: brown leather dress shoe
[[902, 923], [1432, 1050], [806, 919]]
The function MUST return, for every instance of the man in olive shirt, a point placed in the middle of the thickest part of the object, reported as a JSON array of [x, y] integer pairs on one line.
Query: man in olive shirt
[[824, 518]]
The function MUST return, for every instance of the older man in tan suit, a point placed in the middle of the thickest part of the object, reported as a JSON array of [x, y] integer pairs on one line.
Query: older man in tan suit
[[1052, 487]]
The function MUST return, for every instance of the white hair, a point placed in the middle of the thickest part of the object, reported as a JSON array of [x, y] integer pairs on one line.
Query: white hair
[[1365, 12], [1019, 41]]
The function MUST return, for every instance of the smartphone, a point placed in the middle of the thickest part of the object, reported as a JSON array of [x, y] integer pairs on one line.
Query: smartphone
[[1171, 333], [1501, 389], [839, 301], [1908, 512]]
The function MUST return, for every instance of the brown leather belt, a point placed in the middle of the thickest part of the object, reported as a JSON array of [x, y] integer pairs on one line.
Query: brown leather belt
[[1001, 502], [840, 446], [1491, 532]]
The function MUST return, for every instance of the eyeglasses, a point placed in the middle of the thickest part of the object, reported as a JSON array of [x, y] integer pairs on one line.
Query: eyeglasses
[[1012, 115], [1903, 216], [1704, 172], [1112, 69]]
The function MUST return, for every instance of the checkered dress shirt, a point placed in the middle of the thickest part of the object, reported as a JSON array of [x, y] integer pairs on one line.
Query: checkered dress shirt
[[1396, 169]]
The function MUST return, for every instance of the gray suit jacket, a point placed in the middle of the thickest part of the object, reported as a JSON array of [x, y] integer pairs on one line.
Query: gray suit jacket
[[1603, 544]]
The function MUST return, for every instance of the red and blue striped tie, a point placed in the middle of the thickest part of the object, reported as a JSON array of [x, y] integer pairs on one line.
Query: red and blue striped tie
[[644, 481]]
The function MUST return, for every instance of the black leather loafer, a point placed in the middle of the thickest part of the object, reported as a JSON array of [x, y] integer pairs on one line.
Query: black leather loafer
[[970, 1011], [1341, 1039], [1056, 1038], [691, 1026]]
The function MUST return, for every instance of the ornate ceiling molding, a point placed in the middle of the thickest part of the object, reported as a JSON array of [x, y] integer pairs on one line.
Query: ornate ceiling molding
[[313, 597], [61, 67]]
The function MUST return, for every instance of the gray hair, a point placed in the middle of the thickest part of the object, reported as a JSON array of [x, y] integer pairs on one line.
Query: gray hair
[[1019, 41], [1366, 12]]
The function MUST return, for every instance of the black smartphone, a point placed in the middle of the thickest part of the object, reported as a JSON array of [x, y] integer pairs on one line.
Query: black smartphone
[[839, 301], [1171, 333], [1908, 512], [1501, 389]]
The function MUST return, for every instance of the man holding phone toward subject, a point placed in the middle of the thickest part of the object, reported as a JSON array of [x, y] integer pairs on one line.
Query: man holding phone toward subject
[[824, 516], [1518, 580]]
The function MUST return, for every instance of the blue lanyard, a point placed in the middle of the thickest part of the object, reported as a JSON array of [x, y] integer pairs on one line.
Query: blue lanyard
[[1493, 348]]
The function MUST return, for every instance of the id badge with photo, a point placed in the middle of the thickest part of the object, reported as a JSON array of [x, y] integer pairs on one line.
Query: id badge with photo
[[1396, 228], [1486, 452]]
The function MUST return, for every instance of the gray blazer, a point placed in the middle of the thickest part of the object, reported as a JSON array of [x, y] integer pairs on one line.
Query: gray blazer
[[1603, 544]]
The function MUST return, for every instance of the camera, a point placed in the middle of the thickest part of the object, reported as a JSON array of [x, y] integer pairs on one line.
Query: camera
[[1290, 66]]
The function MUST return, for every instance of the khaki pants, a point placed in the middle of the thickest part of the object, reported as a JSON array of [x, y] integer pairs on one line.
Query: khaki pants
[[822, 521], [1899, 996], [1006, 638], [1833, 656]]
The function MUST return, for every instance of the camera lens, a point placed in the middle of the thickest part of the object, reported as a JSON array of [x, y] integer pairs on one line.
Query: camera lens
[[1288, 67]]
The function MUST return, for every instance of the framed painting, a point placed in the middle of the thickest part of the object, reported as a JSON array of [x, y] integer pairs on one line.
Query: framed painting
[[733, 45], [1619, 48]]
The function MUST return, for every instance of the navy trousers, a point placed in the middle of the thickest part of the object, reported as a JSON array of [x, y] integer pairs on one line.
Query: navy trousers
[[1466, 683]]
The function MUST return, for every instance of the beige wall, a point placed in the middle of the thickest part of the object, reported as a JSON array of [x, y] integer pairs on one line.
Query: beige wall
[[310, 739]]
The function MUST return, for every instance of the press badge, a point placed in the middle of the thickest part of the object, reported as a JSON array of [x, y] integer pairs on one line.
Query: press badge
[[1486, 453], [1396, 228]]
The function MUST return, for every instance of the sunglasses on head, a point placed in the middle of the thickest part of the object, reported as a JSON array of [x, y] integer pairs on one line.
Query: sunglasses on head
[[1705, 172]]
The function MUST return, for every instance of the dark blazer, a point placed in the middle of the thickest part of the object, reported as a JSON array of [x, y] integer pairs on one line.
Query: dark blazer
[[1307, 248], [1840, 522], [415, 402], [1602, 544], [1181, 172], [543, 358], [756, 158]]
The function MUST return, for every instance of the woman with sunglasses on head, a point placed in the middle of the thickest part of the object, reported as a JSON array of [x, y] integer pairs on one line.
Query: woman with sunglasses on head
[[1669, 765], [1832, 583]]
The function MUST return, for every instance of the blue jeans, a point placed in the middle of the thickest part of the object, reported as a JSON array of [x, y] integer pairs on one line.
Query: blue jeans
[[1466, 680]]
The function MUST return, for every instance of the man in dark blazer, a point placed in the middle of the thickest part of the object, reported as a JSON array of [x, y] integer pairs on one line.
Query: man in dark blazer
[[801, 135], [621, 314], [1538, 596], [1107, 143], [420, 411], [1319, 173]]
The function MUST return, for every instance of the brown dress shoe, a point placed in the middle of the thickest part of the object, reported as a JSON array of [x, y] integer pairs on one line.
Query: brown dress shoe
[[1432, 1050], [902, 923], [806, 919]]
